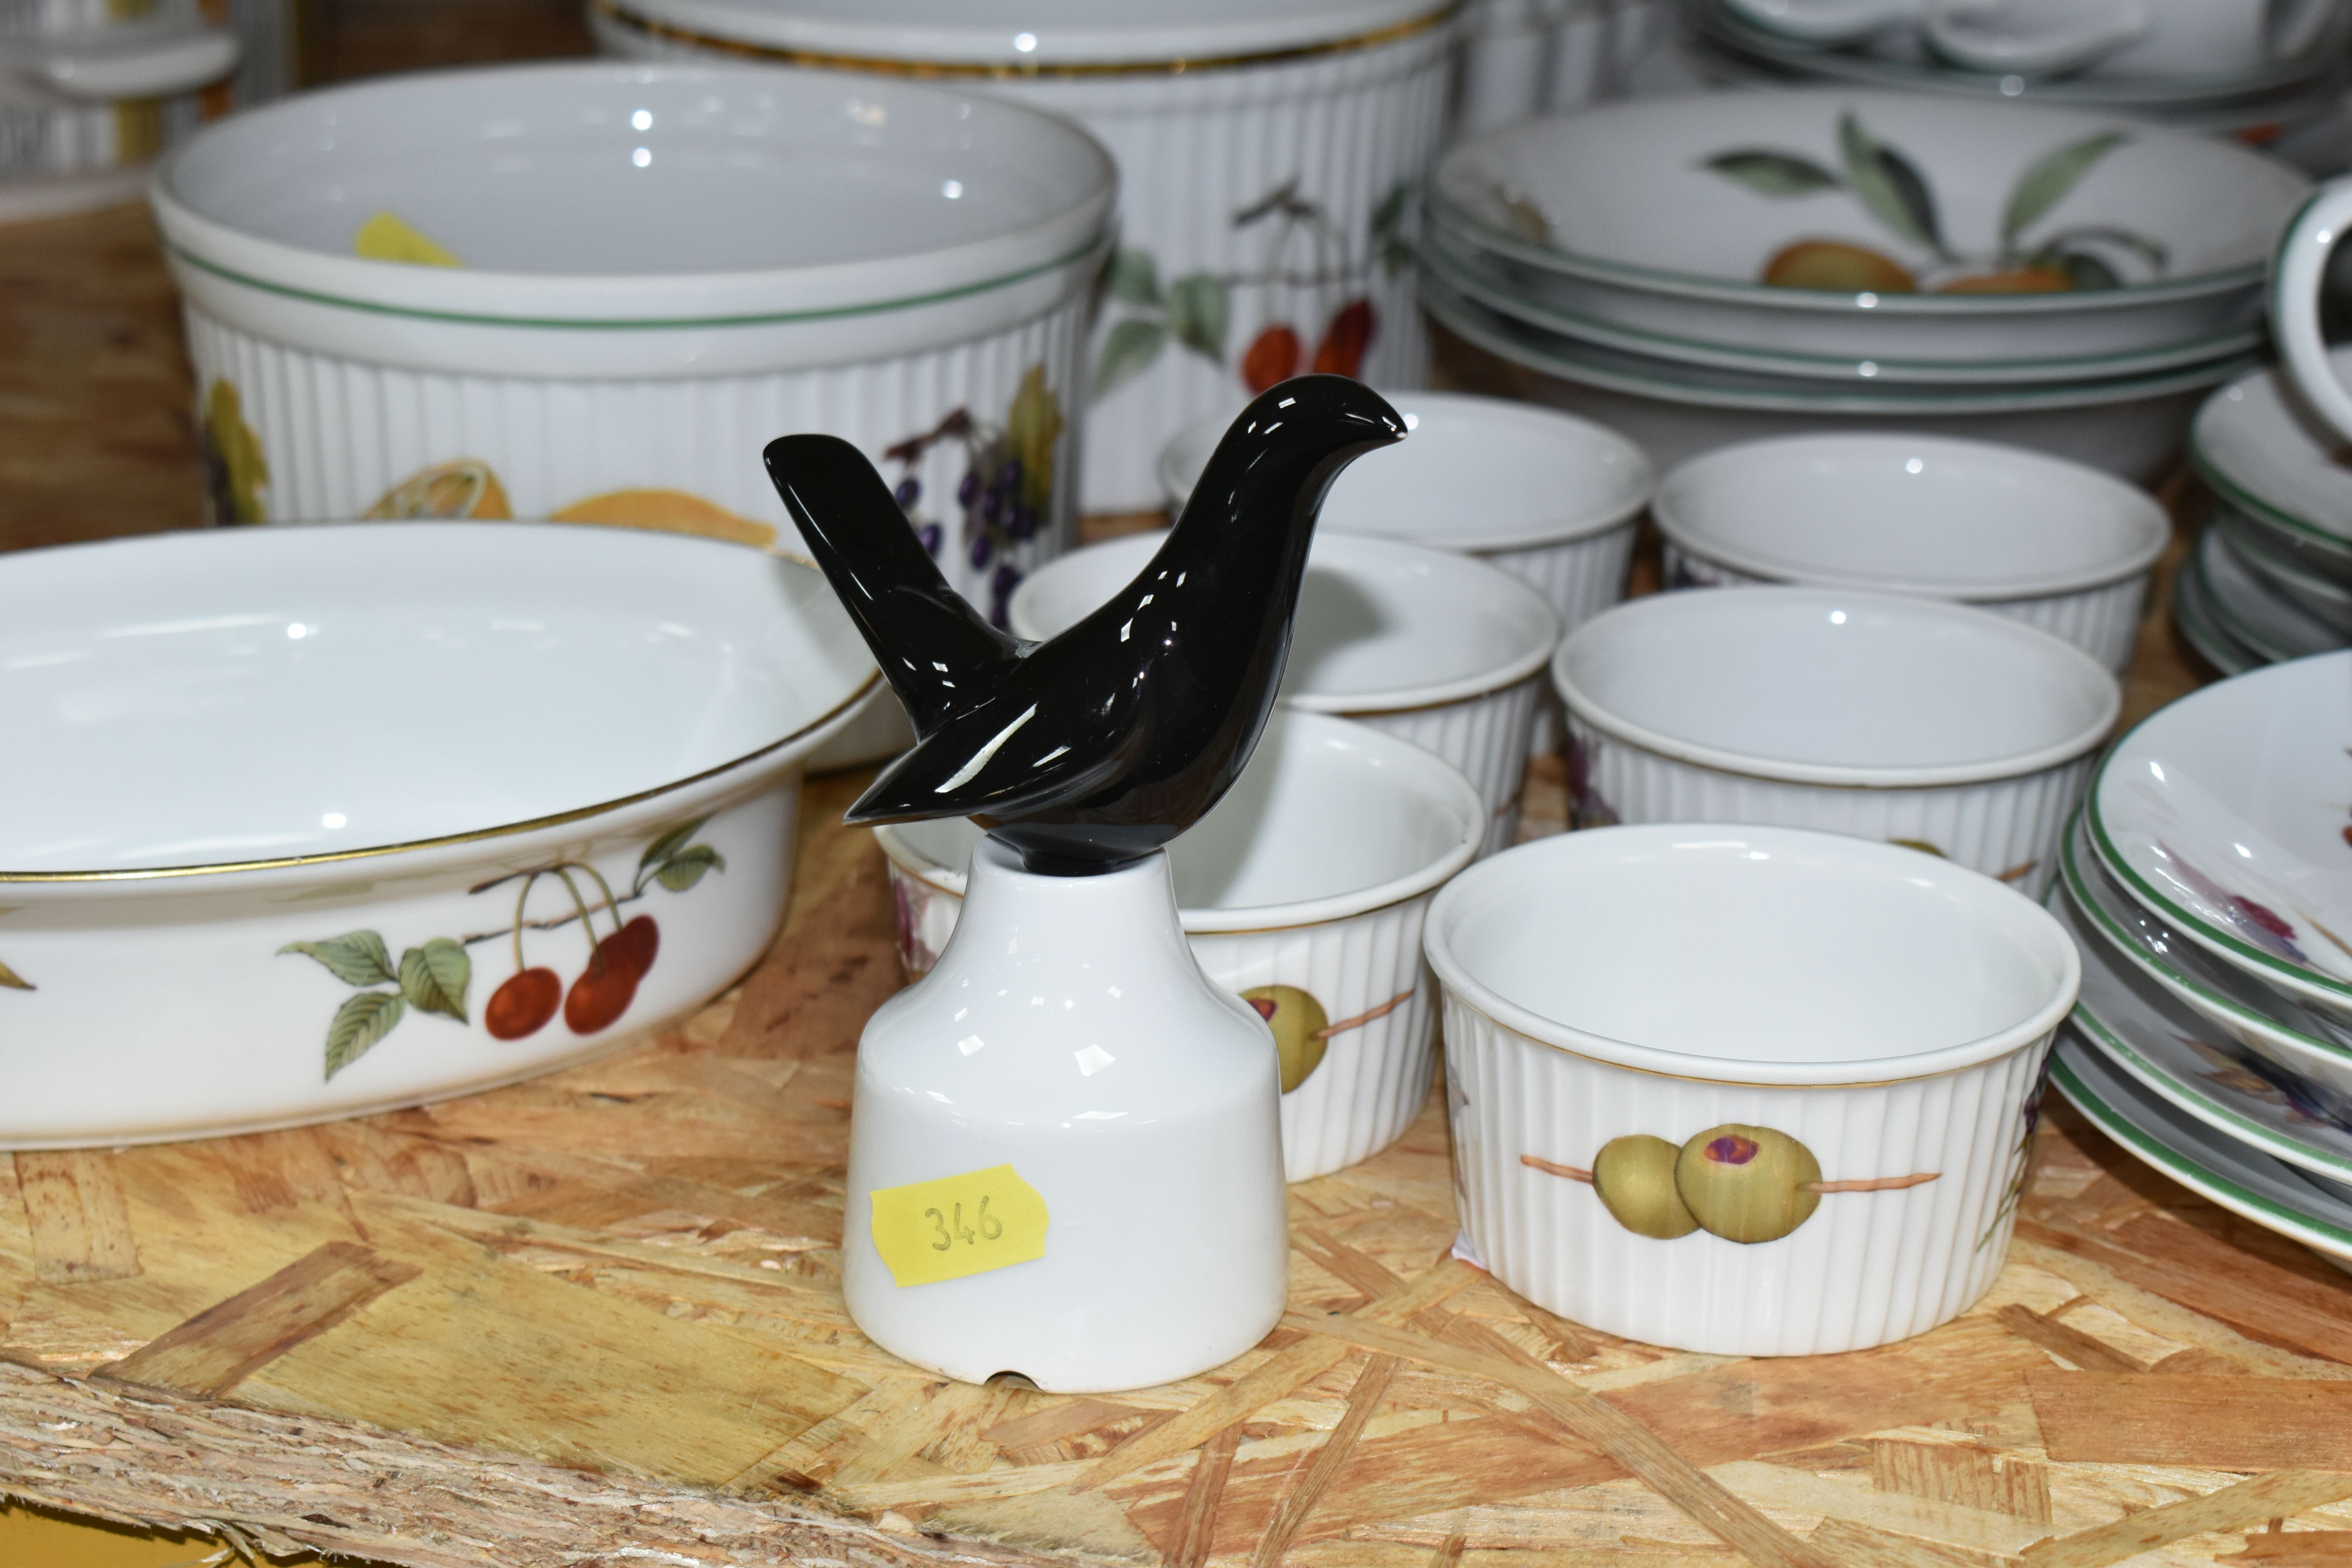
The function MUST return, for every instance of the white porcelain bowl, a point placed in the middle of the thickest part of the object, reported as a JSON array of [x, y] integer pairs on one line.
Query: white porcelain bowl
[[1429, 647], [1739, 1090], [2225, 814], [1551, 499], [2051, 544], [1268, 151], [661, 269], [1305, 891], [1938, 726], [1661, 216], [290, 810]]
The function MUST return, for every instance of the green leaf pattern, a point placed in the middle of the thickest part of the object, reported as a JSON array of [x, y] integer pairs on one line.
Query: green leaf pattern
[[359, 1024], [1884, 181], [434, 978], [1773, 174], [2046, 183], [684, 869], [1198, 312], [12, 981], [355, 958]]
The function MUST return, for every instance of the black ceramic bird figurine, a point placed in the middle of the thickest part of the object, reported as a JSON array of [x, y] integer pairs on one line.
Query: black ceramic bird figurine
[[1092, 750]]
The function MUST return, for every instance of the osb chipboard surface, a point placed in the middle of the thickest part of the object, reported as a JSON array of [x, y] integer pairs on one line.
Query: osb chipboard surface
[[597, 1317]]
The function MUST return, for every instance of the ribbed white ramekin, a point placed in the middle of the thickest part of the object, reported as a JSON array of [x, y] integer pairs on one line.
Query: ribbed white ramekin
[[1263, 192], [1487, 736], [1936, 726], [1357, 951], [1920, 1151]]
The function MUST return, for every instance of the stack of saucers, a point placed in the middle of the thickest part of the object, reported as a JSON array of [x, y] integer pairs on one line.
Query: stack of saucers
[[2213, 907], [1695, 271], [2273, 578]]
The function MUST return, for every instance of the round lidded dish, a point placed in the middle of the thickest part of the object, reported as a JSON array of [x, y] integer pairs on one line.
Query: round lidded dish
[[1305, 891], [1432, 648], [1545, 496], [379, 813], [1666, 216], [1818, 1149], [2051, 544], [2243, 861], [1267, 153], [1936, 726], [593, 291]]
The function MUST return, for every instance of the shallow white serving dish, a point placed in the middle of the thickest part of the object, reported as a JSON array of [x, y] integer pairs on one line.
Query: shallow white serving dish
[[2049, 542], [391, 742], [1907, 721], [661, 269], [2130, 426], [1782, 1007], [2251, 862], [1617, 213], [1305, 891], [2297, 1203], [1430, 646], [1547, 497], [2214, 1038], [2271, 460], [1268, 151]]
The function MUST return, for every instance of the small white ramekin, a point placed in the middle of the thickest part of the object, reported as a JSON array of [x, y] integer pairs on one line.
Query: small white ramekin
[[1936, 726], [1551, 499], [1432, 648], [662, 268], [1803, 1006], [1314, 874], [2052, 543]]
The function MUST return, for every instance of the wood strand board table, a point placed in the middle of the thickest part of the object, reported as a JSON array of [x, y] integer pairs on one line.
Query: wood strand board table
[[594, 1318]]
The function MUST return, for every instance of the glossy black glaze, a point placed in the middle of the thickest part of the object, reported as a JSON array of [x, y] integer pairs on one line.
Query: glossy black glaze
[[1095, 748]]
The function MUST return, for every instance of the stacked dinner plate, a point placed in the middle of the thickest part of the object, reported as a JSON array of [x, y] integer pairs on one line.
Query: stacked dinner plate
[[1698, 270], [2272, 579], [2212, 902], [2290, 75]]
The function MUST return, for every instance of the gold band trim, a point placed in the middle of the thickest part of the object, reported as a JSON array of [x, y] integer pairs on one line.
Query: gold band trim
[[481, 835], [1013, 70]]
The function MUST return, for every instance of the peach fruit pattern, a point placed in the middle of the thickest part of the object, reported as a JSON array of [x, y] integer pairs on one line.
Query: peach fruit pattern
[[1890, 188], [1744, 1184], [436, 976], [1304, 249]]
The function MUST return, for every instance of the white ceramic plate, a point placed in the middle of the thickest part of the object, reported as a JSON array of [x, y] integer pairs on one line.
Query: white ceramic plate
[[2209, 1163], [2259, 448], [2281, 569], [2227, 814], [2192, 617], [1661, 215], [2167, 1049], [2254, 613]]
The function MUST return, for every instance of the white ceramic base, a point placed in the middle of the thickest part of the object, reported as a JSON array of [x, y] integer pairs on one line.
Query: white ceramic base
[[1068, 1032]]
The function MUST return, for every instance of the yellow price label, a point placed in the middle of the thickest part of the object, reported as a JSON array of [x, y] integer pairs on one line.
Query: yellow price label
[[945, 1229]]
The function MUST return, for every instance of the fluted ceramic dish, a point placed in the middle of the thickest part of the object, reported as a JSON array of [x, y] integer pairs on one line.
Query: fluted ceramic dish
[[2244, 1180], [1432, 648], [1661, 215], [1305, 891], [2251, 862], [309, 822], [592, 291], [1818, 1149], [1268, 151], [2051, 544], [2249, 1097], [1939, 726], [1545, 496]]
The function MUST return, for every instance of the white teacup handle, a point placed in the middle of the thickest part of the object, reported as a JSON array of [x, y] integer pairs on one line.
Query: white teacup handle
[[133, 60], [2297, 269], [1988, 37]]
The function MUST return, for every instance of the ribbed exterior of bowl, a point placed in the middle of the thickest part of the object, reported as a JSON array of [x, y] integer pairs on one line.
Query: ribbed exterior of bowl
[[1347, 131], [1374, 1075], [2103, 621], [1580, 578], [339, 434], [1864, 1269], [2007, 828], [1487, 737]]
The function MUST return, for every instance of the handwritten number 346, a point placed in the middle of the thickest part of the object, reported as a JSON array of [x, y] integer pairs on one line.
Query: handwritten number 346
[[990, 1227]]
